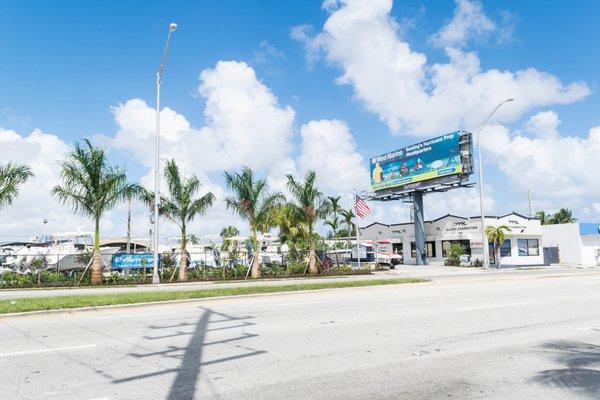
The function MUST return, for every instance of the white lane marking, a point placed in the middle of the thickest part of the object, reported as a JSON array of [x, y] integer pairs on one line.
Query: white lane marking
[[299, 303], [489, 306], [26, 352]]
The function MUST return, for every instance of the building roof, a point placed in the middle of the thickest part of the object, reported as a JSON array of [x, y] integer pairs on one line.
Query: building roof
[[453, 216]]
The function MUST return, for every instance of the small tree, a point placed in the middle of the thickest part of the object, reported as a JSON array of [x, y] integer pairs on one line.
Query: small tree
[[456, 250], [11, 177], [348, 219], [496, 235], [543, 217], [334, 224], [92, 187], [562, 216], [226, 233]]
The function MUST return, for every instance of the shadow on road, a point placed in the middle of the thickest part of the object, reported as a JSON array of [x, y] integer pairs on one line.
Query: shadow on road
[[187, 375], [579, 374]]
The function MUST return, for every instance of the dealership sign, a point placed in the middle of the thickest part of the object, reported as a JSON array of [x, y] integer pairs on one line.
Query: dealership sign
[[130, 261], [424, 161]]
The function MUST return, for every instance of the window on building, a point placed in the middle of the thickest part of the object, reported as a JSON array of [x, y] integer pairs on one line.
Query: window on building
[[446, 244], [528, 247], [505, 248], [397, 248], [429, 249]]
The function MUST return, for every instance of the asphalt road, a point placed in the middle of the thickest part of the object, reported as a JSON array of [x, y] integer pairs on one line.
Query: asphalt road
[[528, 337]]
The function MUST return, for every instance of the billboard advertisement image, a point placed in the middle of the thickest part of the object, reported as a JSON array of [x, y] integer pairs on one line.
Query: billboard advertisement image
[[427, 160]]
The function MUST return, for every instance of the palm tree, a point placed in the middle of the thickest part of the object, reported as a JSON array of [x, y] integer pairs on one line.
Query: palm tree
[[309, 206], [226, 233], [543, 217], [252, 202], [563, 216], [334, 224], [229, 231], [11, 177], [496, 235], [182, 206], [348, 219], [194, 239], [92, 187]]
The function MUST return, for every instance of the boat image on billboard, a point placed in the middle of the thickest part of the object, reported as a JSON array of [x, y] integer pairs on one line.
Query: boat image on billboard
[[427, 162]]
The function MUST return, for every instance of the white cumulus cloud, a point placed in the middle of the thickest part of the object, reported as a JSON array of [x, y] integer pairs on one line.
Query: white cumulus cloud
[[411, 95], [469, 22]]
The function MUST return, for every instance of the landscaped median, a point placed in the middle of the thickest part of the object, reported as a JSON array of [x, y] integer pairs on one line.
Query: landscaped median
[[86, 301]]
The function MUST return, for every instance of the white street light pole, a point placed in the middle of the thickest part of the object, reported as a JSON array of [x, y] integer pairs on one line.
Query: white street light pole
[[486, 260], [163, 59]]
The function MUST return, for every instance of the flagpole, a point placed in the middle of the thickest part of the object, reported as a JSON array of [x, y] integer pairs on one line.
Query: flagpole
[[357, 231]]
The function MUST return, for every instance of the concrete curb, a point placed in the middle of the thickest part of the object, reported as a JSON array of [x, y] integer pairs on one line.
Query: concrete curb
[[149, 303]]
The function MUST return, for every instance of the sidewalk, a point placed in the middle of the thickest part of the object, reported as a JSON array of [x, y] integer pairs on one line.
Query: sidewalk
[[434, 273]]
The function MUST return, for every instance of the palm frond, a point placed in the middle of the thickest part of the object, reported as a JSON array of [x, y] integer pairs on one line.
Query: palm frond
[[11, 177]]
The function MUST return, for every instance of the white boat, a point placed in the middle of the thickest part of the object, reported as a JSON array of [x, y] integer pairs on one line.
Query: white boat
[[200, 255], [67, 251], [269, 253]]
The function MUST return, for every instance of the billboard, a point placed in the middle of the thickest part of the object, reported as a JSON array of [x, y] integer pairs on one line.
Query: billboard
[[421, 162], [132, 261]]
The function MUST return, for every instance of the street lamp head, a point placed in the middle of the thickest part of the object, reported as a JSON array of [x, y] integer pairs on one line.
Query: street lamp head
[[172, 27], [509, 100]]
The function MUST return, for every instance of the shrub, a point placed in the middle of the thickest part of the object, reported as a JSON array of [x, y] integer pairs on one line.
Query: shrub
[[13, 279], [54, 278]]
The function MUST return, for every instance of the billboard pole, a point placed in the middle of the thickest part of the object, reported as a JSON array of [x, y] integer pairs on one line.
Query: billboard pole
[[419, 227]]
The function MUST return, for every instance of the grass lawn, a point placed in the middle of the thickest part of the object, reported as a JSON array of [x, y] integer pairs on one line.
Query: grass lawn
[[78, 301]]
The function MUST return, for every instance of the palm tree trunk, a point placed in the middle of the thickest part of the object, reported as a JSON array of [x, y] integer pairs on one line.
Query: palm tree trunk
[[256, 265], [312, 261], [337, 259], [497, 255], [183, 260], [255, 273], [96, 269]]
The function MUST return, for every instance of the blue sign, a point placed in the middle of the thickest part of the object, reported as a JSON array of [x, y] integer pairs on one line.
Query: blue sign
[[132, 261], [586, 228]]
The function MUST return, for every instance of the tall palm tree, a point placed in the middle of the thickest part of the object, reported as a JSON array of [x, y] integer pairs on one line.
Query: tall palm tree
[[496, 235], [348, 219], [543, 217], [562, 216], [182, 206], [310, 206], [252, 202], [92, 187], [11, 177]]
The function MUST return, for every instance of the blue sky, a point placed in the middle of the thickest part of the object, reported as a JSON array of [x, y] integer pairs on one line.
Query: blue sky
[[65, 64]]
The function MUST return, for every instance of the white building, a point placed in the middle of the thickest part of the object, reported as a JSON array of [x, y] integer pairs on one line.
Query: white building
[[521, 247], [577, 243]]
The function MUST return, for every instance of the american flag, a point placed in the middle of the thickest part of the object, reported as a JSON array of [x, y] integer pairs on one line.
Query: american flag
[[361, 208]]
